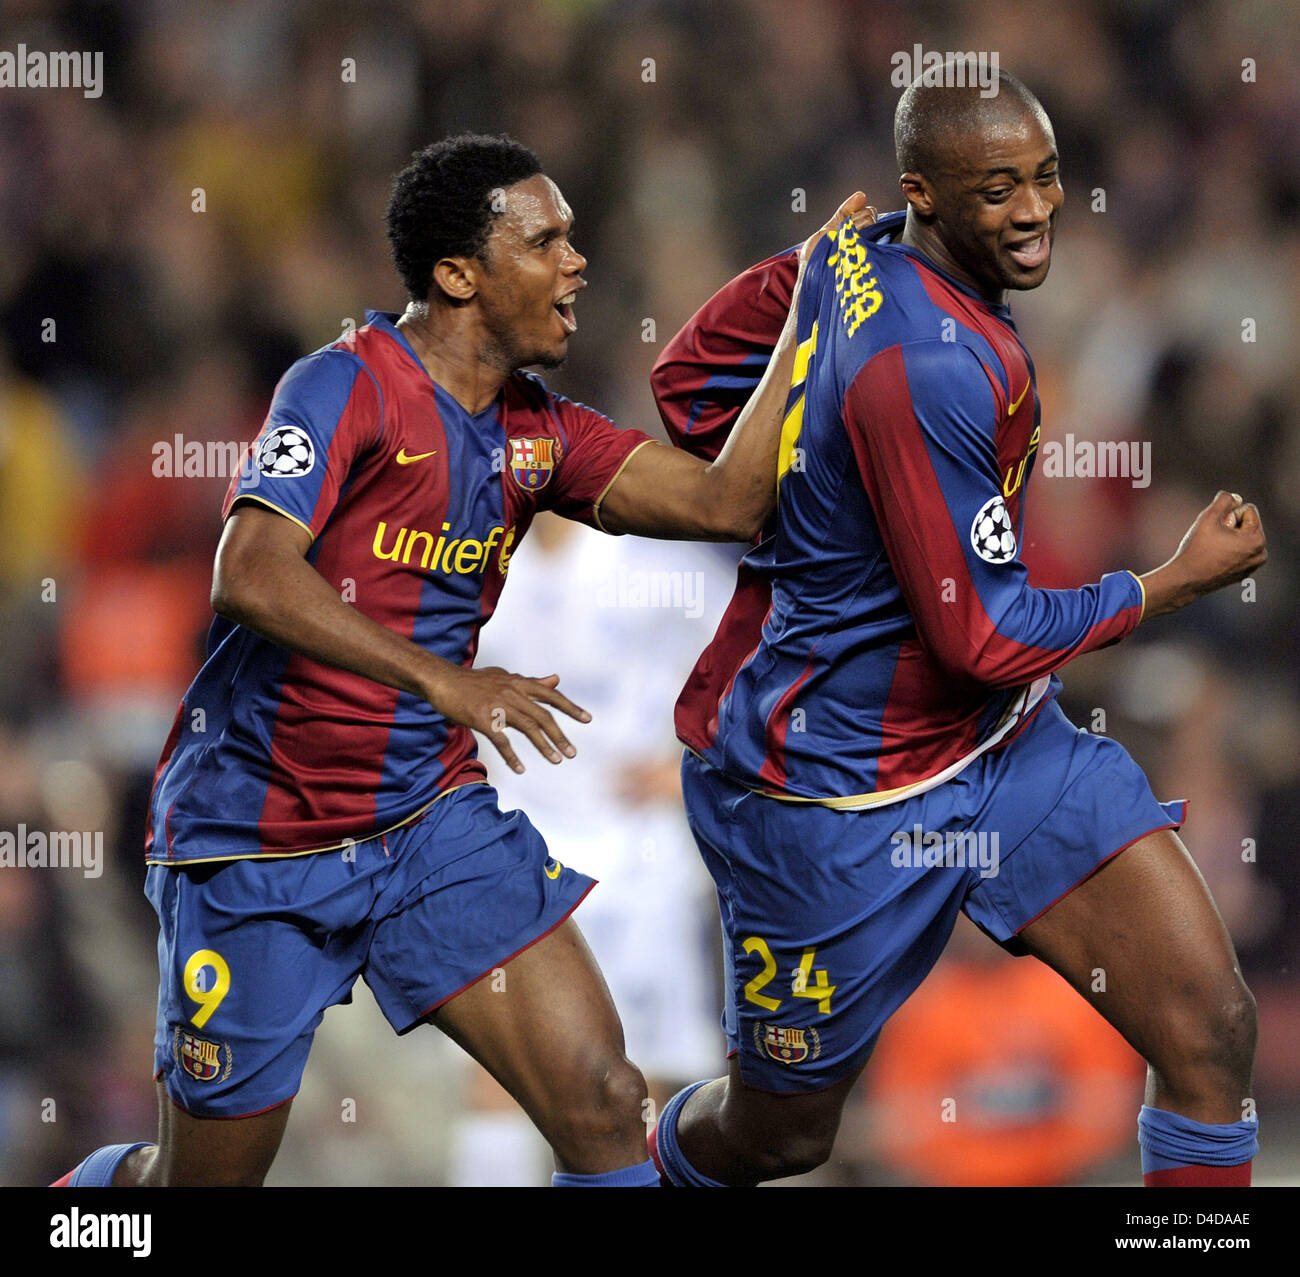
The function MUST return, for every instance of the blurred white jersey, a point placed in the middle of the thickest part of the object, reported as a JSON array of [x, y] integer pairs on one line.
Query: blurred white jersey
[[622, 620]]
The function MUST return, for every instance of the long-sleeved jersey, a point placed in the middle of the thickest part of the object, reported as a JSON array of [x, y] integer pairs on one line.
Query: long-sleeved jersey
[[883, 633], [414, 506]]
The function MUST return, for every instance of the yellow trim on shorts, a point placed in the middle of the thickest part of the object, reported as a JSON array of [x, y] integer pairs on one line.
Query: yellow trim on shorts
[[315, 851], [847, 800]]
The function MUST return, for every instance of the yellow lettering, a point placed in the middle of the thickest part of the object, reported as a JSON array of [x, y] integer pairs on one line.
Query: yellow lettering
[[1010, 485], [803, 357], [410, 547], [856, 287], [468, 556], [197, 984], [810, 984], [380, 553], [756, 944], [437, 549], [792, 426], [462, 555]]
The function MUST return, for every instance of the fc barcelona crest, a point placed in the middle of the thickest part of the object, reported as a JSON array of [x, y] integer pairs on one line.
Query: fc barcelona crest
[[203, 1060], [532, 462], [787, 1046]]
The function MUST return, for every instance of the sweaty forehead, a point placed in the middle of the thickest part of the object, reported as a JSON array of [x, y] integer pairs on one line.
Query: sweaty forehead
[[532, 206]]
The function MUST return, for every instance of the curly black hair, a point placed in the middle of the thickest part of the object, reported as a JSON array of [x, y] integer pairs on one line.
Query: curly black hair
[[441, 203]]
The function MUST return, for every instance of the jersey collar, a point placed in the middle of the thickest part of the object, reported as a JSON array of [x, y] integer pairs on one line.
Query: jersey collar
[[882, 232], [386, 321]]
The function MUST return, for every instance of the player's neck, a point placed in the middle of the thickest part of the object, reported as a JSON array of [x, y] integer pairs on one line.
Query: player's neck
[[452, 353], [925, 239]]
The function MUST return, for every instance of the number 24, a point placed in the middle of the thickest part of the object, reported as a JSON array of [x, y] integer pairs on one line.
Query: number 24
[[806, 983]]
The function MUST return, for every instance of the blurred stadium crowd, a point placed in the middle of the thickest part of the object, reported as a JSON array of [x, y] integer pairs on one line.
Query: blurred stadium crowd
[[171, 246]]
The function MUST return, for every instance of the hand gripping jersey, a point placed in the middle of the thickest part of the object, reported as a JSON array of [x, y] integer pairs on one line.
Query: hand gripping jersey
[[883, 633], [414, 506]]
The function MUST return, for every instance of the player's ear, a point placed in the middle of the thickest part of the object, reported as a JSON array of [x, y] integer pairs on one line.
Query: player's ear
[[456, 278], [916, 191]]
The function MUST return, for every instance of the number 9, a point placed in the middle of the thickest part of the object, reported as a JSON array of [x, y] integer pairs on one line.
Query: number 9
[[208, 999]]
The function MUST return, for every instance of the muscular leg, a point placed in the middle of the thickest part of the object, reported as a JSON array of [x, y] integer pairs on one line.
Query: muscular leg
[[740, 1136], [548, 1032], [1172, 986], [205, 1152]]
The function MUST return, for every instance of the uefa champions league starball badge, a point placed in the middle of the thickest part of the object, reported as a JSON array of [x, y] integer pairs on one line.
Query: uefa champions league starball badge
[[991, 533], [286, 453]]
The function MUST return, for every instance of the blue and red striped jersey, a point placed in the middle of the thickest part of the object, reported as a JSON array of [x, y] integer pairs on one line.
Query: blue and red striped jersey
[[883, 631], [414, 507]]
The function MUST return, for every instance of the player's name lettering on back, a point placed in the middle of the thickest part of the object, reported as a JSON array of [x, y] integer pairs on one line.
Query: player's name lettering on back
[[463, 556], [856, 285]]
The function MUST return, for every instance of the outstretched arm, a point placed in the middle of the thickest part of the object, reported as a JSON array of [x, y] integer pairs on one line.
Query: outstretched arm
[[263, 581], [664, 492], [1225, 544], [921, 420]]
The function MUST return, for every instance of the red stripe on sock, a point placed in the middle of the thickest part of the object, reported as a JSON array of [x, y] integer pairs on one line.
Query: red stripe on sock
[[65, 1181], [653, 1141], [1200, 1177]]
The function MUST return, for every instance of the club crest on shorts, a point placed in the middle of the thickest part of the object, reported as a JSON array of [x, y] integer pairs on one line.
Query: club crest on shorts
[[532, 462], [202, 1059], [991, 533], [787, 1046]]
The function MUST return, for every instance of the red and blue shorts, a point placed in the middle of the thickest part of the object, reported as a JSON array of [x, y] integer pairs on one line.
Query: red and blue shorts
[[251, 952], [831, 918]]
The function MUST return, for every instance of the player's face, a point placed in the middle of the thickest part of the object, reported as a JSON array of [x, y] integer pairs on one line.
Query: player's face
[[533, 276], [996, 211]]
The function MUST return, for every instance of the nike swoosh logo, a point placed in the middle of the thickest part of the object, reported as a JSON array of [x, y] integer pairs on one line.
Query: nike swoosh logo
[[1019, 401], [404, 460]]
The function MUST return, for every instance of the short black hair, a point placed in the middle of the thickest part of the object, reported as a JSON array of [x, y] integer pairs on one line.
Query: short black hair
[[441, 203], [931, 121]]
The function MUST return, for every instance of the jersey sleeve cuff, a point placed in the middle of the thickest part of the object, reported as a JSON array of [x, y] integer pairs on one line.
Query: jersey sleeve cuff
[[1142, 593], [613, 479], [270, 505]]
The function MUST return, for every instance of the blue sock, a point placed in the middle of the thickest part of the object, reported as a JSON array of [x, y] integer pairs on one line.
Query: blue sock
[[97, 1170], [1170, 1140], [679, 1171], [643, 1176]]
